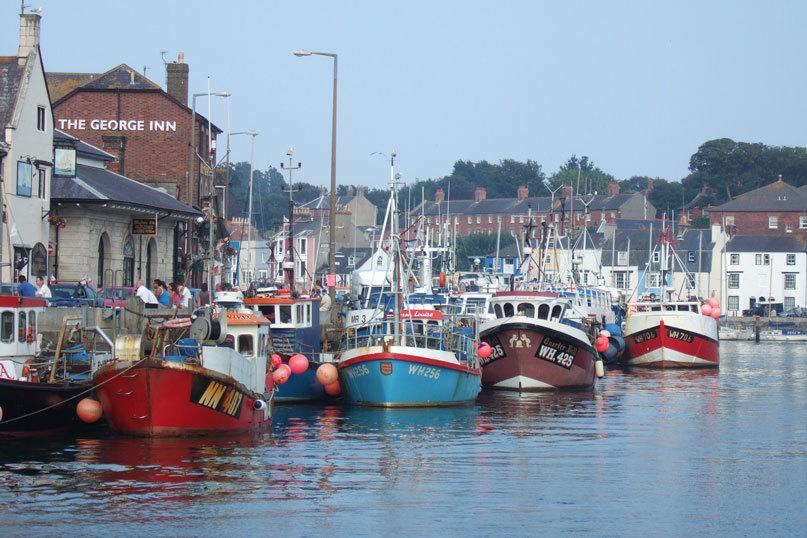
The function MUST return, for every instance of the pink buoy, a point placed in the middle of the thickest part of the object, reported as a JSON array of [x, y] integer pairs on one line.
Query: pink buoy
[[298, 363], [713, 302], [715, 313], [277, 360], [282, 374], [601, 344], [706, 309], [327, 374], [484, 350], [333, 389], [89, 410]]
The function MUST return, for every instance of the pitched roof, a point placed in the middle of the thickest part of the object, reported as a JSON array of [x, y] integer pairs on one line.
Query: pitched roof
[[538, 204], [638, 244], [60, 84], [776, 196], [343, 256], [60, 137], [120, 78], [99, 185], [698, 242], [241, 232], [10, 77], [324, 202], [765, 243]]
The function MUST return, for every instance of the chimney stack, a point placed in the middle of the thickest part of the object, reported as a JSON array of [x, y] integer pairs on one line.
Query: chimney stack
[[439, 195], [523, 193], [613, 188], [176, 79], [480, 193], [29, 34]]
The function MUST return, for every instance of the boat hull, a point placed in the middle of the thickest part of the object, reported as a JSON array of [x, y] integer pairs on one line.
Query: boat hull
[[20, 398], [672, 342], [406, 378], [301, 387], [159, 398], [529, 356]]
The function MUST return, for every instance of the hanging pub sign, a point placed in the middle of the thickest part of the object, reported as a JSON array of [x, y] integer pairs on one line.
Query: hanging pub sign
[[65, 162], [144, 226]]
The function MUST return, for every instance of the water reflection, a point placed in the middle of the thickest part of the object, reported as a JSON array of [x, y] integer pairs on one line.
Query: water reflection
[[646, 452]]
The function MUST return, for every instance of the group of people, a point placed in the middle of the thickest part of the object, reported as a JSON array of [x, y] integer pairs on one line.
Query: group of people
[[26, 289], [175, 294]]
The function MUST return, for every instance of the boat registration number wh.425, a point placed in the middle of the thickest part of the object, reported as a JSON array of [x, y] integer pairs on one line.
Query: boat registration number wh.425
[[497, 350], [217, 396], [556, 352], [424, 371]]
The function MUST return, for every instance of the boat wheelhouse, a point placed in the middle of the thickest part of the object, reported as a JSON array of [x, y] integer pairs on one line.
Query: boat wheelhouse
[[294, 328]]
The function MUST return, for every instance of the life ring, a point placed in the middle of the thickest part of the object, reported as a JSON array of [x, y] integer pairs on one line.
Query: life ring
[[29, 372], [29, 335]]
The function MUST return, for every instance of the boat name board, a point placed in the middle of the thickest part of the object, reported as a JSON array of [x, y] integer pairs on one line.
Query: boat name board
[[645, 336], [7, 370], [216, 396], [678, 334], [424, 371], [497, 353], [556, 352]]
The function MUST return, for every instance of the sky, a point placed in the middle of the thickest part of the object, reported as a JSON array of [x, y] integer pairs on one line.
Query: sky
[[636, 86]]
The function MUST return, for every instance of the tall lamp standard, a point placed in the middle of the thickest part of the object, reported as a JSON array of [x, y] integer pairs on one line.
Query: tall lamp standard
[[194, 155], [332, 211], [252, 133]]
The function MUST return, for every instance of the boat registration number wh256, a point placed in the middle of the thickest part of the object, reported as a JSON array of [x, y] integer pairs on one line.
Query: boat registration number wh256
[[216, 395], [424, 371], [556, 352]]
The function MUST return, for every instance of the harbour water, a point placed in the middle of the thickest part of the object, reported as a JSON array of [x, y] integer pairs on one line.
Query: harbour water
[[673, 452]]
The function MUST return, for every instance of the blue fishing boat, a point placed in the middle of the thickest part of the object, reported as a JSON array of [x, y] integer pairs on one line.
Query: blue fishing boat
[[426, 361], [294, 328]]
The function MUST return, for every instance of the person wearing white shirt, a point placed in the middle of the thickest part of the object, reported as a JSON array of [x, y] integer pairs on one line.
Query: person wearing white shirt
[[185, 296], [145, 294], [42, 289]]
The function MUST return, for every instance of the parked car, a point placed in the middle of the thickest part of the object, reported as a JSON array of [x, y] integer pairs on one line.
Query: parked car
[[763, 309], [796, 312], [115, 297], [77, 294]]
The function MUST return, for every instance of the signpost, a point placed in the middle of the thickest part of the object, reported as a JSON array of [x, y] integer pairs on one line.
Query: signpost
[[144, 226]]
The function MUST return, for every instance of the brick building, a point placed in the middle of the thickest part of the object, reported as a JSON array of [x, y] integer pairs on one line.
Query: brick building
[[146, 128], [775, 209], [483, 215]]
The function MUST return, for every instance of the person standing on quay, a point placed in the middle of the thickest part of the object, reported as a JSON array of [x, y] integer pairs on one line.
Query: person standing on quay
[[144, 293], [185, 296], [204, 295], [43, 289], [25, 288]]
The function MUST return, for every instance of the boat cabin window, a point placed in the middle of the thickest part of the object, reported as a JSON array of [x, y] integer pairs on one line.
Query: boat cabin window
[[557, 310], [32, 321], [683, 308], [498, 310], [694, 308], [7, 326], [508, 309], [285, 314], [21, 326], [526, 309], [543, 311], [246, 344]]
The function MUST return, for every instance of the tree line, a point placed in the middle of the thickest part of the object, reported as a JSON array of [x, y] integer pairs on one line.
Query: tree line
[[725, 167]]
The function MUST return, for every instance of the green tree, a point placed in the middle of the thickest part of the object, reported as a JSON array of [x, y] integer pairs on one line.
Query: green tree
[[582, 174], [478, 246]]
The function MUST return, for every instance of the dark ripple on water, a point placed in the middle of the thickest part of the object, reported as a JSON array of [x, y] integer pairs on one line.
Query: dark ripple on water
[[673, 452]]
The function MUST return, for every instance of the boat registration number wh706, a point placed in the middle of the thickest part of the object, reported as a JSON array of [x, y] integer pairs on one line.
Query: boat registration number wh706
[[683, 336], [556, 352], [645, 336], [217, 396]]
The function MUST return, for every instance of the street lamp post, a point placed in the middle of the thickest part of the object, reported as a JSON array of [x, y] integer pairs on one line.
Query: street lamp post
[[192, 161], [252, 134], [332, 211]]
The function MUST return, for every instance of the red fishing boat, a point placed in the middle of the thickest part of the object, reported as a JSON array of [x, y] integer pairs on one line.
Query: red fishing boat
[[200, 377], [534, 347], [671, 335]]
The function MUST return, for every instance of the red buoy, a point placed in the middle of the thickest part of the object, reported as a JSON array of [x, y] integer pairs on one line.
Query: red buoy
[[89, 410]]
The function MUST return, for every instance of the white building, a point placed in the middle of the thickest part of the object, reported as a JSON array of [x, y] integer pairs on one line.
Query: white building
[[701, 253], [26, 153], [759, 268]]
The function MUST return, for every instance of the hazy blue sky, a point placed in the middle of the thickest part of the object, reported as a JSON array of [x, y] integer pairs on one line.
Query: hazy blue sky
[[637, 86]]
